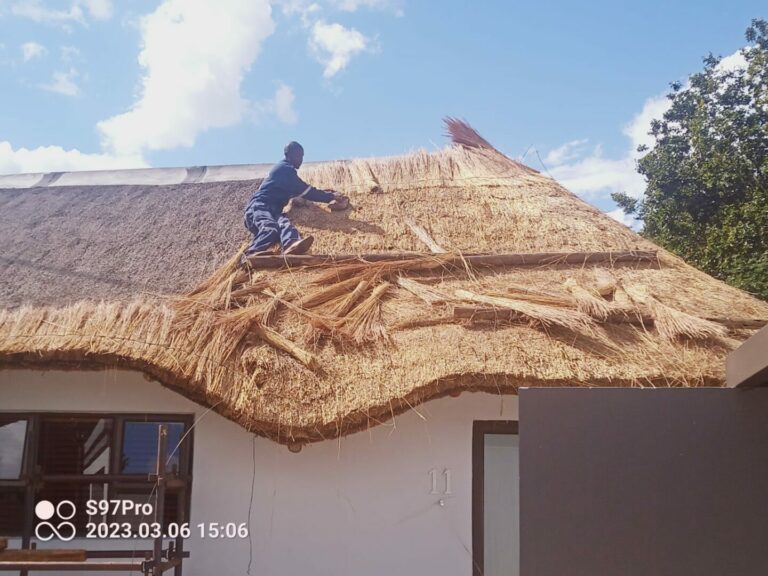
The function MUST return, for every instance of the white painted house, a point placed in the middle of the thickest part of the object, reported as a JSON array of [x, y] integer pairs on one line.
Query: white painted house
[[351, 417], [372, 503]]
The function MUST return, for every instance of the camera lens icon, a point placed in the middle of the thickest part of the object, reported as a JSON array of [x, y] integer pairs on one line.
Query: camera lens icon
[[45, 510]]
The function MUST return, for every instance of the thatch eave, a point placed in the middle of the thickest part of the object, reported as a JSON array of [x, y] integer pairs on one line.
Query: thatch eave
[[115, 277], [359, 420]]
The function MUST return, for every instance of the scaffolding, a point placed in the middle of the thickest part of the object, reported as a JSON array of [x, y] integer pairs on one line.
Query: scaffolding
[[153, 562]]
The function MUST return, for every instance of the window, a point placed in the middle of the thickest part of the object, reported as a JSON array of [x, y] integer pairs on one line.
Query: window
[[139, 453], [81, 457], [495, 499]]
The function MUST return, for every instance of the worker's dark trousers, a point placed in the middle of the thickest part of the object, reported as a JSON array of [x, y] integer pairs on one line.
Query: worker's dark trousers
[[268, 229]]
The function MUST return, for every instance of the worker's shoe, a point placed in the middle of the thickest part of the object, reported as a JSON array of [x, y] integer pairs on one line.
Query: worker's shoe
[[300, 246]]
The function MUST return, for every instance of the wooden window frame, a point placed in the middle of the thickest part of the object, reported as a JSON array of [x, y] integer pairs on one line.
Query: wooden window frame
[[28, 476], [479, 430]]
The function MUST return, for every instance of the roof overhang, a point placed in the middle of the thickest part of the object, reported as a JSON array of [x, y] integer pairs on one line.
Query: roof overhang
[[141, 176], [747, 366]]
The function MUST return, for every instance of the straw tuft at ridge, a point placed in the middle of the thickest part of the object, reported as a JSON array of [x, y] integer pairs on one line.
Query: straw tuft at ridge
[[461, 133]]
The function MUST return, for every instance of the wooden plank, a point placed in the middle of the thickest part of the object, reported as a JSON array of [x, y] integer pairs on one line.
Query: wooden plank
[[43, 555], [168, 564], [485, 313], [283, 260], [549, 258], [421, 233], [72, 566], [736, 323], [3, 544], [277, 340], [488, 260]]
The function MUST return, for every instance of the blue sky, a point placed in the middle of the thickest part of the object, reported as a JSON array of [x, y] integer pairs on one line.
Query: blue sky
[[89, 84]]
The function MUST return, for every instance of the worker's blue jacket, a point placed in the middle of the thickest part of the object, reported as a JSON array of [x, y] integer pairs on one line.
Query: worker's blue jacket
[[281, 184]]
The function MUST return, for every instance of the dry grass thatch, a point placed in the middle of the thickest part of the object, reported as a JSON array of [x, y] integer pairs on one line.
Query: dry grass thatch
[[672, 323], [461, 133], [539, 313], [304, 354], [588, 301]]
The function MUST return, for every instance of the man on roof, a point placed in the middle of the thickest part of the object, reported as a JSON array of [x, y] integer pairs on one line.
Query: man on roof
[[264, 216]]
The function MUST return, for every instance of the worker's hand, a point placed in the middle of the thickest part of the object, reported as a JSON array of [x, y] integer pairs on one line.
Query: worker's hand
[[296, 202], [339, 203]]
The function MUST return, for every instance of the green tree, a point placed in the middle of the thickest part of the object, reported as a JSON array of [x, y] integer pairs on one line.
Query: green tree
[[706, 197]]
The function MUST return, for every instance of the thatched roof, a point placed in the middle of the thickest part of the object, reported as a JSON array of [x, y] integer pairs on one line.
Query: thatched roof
[[148, 277]]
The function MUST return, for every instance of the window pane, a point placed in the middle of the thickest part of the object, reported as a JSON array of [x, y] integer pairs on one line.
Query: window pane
[[140, 446], [75, 445], [13, 433], [11, 511]]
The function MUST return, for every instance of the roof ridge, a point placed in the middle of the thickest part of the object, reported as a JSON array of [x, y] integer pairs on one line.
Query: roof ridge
[[159, 176]]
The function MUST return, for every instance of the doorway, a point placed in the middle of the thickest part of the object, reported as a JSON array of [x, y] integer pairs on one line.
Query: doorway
[[495, 498]]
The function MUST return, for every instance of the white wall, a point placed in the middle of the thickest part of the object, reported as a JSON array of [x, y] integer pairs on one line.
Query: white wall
[[360, 505]]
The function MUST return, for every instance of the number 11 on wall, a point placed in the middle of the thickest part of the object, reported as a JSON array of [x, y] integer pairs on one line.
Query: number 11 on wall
[[446, 476]]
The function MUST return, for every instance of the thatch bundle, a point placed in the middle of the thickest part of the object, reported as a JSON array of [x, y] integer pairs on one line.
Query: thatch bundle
[[310, 352], [589, 301], [672, 323]]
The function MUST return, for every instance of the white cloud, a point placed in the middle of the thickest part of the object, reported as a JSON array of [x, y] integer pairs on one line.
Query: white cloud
[[307, 11], [57, 159], [733, 62], [302, 7], [309, 7], [595, 176], [32, 50], [591, 175], [63, 83], [69, 53], [194, 55], [638, 129], [35, 10], [334, 46], [280, 105], [568, 151], [99, 9], [354, 5], [588, 173], [38, 11], [628, 221], [284, 110]]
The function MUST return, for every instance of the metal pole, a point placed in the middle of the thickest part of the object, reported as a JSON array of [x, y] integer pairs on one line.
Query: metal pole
[[162, 449], [179, 548], [31, 486]]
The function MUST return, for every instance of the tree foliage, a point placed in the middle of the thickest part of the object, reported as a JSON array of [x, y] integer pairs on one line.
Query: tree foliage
[[707, 174]]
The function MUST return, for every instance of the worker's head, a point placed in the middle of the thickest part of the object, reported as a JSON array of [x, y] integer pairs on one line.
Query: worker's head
[[294, 153]]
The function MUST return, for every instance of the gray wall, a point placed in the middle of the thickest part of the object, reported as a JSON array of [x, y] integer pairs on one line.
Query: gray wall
[[640, 482]]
